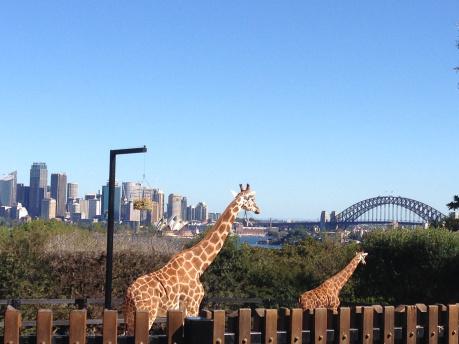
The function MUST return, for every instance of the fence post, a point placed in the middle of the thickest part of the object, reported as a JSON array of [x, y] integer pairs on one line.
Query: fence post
[[320, 325], [174, 327], [452, 324], [244, 326], [367, 325], [389, 332], [431, 333], [110, 327], [44, 326], [342, 336], [296, 326], [270, 327], [410, 324], [141, 327], [12, 326], [77, 332], [218, 336]]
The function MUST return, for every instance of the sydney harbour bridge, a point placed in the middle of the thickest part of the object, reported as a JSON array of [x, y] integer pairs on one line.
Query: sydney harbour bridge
[[380, 210]]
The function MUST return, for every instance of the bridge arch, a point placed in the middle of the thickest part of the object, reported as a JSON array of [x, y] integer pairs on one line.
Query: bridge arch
[[424, 211]]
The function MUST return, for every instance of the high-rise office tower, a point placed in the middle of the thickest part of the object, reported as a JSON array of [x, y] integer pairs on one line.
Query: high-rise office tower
[[22, 195], [158, 196], [131, 191], [84, 207], [59, 192], [38, 187], [8, 189], [93, 208], [174, 206], [104, 207], [183, 208], [190, 213], [72, 191], [201, 212], [48, 208]]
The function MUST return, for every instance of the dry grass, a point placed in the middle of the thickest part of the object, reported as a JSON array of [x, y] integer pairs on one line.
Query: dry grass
[[82, 241]]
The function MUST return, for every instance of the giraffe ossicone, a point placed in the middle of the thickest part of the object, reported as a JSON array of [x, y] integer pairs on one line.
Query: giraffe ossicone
[[326, 295], [177, 284]]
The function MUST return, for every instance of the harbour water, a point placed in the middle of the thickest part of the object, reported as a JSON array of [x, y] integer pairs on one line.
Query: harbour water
[[254, 240]]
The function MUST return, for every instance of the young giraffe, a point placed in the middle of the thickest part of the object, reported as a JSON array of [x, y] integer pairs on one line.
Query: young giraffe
[[177, 284], [326, 295]]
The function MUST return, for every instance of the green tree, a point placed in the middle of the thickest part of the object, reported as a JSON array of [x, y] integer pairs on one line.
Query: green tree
[[454, 205]]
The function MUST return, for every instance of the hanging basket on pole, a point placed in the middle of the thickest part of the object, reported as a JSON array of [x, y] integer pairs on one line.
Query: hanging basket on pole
[[143, 204]]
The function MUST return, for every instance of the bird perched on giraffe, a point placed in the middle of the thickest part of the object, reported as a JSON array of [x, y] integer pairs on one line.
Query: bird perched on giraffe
[[327, 294], [176, 285]]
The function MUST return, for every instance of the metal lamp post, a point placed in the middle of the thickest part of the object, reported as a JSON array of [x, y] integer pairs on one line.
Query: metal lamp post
[[111, 219]]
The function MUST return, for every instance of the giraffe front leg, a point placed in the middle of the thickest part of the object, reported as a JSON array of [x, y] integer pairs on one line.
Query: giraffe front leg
[[334, 303], [193, 300]]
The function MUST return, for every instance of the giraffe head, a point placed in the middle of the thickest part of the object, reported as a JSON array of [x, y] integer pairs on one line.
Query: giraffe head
[[361, 257], [246, 197]]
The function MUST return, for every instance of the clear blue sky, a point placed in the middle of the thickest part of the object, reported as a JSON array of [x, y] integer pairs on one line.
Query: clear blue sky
[[317, 104]]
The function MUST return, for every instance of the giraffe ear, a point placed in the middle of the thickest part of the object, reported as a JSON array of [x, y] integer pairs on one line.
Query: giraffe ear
[[234, 193]]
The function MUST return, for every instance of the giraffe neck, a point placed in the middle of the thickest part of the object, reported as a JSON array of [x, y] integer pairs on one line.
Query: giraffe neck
[[343, 276], [206, 250]]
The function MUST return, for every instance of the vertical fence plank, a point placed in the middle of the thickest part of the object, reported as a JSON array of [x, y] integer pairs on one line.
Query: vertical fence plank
[[295, 326], [410, 324], [110, 327], [270, 327], [244, 326], [320, 325], [218, 336], [452, 324], [344, 323], [141, 328], [431, 332], [77, 332], [389, 324], [44, 326], [367, 325], [174, 327], [12, 326]]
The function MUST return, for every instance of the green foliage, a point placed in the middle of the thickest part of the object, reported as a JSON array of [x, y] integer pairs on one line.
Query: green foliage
[[277, 277], [454, 204], [408, 266], [403, 266]]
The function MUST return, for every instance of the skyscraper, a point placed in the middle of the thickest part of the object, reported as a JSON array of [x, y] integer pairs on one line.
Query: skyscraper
[[38, 187], [8, 189], [201, 212], [174, 206], [93, 208], [131, 191], [48, 208], [22, 195], [72, 191], [158, 196], [58, 192], [117, 212], [183, 208]]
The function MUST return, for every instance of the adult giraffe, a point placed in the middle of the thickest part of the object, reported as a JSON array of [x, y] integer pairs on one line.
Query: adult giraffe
[[177, 284]]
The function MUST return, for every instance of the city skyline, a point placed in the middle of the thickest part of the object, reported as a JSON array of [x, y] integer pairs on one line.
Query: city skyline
[[316, 105], [127, 191]]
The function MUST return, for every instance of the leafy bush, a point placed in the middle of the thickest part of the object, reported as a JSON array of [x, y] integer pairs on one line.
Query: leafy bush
[[409, 266]]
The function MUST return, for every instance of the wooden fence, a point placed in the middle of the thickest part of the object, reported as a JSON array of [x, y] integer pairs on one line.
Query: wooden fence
[[408, 324]]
